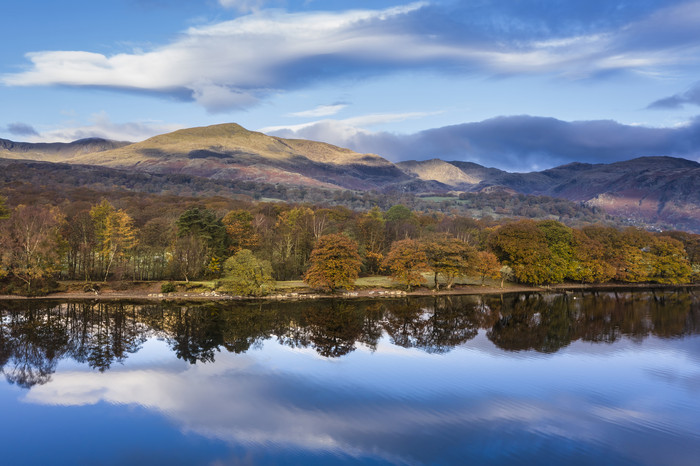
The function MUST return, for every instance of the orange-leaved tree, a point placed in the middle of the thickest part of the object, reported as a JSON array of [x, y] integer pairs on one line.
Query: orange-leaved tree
[[406, 260], [488, 266], [239, 226], [523, 247], [335, 263]]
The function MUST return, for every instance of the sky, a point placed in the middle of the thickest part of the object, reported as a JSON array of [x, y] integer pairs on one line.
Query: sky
[[515, 84]]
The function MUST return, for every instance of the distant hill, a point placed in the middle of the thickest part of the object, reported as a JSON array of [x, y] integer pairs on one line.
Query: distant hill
[[662, 190], [466, 175], [656, 190], [56, 151]]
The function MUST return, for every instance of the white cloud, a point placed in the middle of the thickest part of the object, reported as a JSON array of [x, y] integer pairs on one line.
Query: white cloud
[[101, 126], [233, 64], [225, 65], [320, 111]]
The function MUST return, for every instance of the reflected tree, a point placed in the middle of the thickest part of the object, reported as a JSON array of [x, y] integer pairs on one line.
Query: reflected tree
[[35, 336]]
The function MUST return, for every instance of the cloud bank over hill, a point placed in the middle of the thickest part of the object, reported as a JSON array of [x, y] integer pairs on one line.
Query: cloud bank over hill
[[514, 143]]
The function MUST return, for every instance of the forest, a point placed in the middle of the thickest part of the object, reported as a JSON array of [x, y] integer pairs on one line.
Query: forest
[[246, 246]]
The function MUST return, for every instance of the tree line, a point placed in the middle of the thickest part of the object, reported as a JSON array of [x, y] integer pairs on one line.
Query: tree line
[[249, 245]]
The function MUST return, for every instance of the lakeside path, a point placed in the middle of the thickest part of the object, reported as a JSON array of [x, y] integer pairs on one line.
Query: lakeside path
[[378, 293]]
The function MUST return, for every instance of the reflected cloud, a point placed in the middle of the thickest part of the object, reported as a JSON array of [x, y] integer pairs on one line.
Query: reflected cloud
[[241, 401]]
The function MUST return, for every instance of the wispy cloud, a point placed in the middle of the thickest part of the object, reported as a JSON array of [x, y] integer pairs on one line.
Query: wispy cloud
[[101, 126], [244, 5], [234, 64], [320, 111]]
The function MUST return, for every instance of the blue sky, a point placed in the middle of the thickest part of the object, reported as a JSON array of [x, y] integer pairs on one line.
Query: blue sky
[[516, 84]]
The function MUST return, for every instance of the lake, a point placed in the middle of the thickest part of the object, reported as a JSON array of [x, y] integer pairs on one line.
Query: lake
[[555, 378]]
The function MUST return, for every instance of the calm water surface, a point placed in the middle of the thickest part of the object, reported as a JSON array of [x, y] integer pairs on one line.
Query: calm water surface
[[583, 378]]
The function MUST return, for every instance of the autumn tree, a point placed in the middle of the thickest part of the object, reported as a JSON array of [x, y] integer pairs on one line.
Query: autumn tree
[[406, 260], [560, 242], [449, 258], [691, 243], [638, 261], [607, 246], [247, 275], [670, 264], [335, 263], [590, 259], [115, 233], [239, 227], [32, 246], [487, 266], [523, 247]]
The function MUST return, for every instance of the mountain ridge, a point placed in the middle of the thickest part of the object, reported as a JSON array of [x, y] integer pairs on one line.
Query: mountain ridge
[[654, 189]]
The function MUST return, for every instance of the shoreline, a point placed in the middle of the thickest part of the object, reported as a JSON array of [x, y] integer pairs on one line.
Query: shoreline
[[375, 293]]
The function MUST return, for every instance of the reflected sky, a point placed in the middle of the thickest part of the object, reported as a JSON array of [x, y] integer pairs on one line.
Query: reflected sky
[[628, 402]]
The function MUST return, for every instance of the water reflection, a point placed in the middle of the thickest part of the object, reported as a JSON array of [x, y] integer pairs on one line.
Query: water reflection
[[529, 379], [35, 336]]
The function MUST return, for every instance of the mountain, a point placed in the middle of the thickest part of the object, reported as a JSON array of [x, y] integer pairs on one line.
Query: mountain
[[656, 190], [230, 152]]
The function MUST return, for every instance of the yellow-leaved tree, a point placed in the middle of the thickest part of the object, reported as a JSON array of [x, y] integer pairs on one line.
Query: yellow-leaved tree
[[116, 235], [335, 263]]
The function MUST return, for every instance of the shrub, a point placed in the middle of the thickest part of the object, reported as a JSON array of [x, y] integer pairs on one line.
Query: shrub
[[168, 287]]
